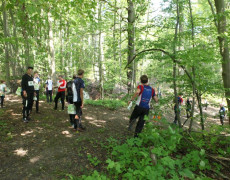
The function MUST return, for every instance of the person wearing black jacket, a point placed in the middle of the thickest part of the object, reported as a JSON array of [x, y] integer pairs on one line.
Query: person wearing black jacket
[[28, 93]]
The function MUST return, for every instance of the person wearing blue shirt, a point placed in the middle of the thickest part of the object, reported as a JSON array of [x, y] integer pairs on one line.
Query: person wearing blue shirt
[[222, 114], [145, 93]]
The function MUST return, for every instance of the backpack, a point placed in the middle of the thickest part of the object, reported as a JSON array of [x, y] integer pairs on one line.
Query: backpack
[[69, 96]]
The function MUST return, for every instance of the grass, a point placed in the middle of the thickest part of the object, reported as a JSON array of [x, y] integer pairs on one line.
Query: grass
[[108, 103]]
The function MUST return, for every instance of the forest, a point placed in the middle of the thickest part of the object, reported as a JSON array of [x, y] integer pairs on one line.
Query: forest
[[183, 46]]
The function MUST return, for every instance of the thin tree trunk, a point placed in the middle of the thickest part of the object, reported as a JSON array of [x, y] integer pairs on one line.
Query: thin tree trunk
[[175, 66], [101, 73], [51, 48], [131, 48], [6, 35]]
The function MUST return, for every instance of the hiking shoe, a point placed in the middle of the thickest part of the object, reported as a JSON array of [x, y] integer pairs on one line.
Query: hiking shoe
[[80, 129], [25, 120]]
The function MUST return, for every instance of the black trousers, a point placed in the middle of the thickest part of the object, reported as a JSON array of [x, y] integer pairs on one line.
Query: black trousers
[[73, 120], [49, 94], [27, 104], [138, 112], [37, 102], [62, 96], [222, 120], [2, 100]]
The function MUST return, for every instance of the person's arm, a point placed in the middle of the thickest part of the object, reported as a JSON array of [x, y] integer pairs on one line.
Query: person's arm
[[63, 85], [138, 91], [82, 97], [23, 85]]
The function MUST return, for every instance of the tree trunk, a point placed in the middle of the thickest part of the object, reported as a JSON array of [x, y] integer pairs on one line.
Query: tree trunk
[[6, 35], [101, 73], [224, 48], [51, 48], [131, 48], [175, 66]]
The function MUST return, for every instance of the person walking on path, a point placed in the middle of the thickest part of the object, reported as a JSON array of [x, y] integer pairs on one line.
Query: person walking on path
[[60, 93], [180, 101], [49, 90], [2, 92], [145, 93], [28, 94], [37, 89], [222, 114]]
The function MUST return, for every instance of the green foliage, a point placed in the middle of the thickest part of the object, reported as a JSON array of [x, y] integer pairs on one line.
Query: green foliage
[[93, 160], [109, 103]]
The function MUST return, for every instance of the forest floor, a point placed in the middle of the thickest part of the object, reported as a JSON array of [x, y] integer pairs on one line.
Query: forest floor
[[48, 148]]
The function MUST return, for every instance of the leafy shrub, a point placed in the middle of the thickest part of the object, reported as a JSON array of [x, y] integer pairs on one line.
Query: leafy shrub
[[111, 104]]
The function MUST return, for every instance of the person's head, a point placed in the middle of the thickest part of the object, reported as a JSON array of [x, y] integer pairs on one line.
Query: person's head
[[3, 82], [35, 74], [60, 77], [80, 73], [144, 79], [221, 105], [180, 94], [30, 70], [74, 76]]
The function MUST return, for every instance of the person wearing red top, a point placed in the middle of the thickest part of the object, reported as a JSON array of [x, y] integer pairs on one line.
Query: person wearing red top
[[61, 92]]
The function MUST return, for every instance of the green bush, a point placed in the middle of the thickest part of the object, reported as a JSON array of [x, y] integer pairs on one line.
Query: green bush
[[109, 103]]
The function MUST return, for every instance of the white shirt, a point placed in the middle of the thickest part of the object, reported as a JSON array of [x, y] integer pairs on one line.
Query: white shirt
[[36, 84], [74, 93], [2, 86], [49, 84]]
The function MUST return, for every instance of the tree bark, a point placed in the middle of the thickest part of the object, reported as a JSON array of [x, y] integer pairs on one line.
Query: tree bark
[[224, 48], [131, 47], [6, 35], [51, 48]]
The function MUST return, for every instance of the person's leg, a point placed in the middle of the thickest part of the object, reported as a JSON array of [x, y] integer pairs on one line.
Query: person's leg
[[141, 122], [135, 114], [24, 109], [30, 96], [2, 101], [78, 115], [58, 95], [37, 102], [222, 120], [51, 93], [63, 99], [47, 96]]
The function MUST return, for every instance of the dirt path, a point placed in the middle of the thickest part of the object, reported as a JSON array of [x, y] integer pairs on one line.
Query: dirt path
[[48, 148]]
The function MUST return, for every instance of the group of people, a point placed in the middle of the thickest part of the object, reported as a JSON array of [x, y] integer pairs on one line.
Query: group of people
[[30, 89], [222, 110], [72, 91]]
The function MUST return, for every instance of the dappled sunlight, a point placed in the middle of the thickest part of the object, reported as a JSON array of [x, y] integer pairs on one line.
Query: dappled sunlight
[[15, 100], [88, 118], [98, 123], [67, 134], [15, 114], [35, 159], [20, 152], [26, 133]]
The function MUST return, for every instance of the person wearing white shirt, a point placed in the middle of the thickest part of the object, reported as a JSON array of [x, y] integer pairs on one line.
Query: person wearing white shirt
[[2, 92], [49, 90], [36, 89]]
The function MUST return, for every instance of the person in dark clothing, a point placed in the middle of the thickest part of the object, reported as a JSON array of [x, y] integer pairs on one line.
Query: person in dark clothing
[[60, 93], [145, 94], [78, 98], [188, 107], [222, 114], [180, 101], [37, 89], [28, 93]]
